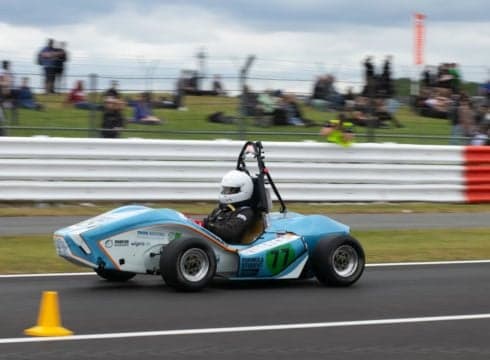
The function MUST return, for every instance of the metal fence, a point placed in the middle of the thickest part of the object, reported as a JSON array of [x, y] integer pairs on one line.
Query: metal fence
[[160, 77]]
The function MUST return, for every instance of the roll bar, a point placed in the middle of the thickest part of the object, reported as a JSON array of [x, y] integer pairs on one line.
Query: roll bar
[[256, 149]]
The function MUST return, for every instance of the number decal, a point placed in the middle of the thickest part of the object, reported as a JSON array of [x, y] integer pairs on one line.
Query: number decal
[[280, 258]]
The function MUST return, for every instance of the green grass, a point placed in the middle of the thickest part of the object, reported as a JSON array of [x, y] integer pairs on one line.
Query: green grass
[[192, 124], [36, 254], [425, 245]]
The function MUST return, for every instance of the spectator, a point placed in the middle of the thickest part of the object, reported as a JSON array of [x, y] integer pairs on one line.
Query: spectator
[[47, 59], [248, 102], [60, 59], [179, 95], [325, 95], [112, 91], [427, 77], [386, 78], [78, 98], [8, 93], [319, 94], [143, 111], [288, 112], [481, 113], [455, 83], [368, 69], [385, 111], [339, 131], [484, 90], [112, 119], [7, 83], [465, 118], [218, 88], [25, 97], [482, 136]]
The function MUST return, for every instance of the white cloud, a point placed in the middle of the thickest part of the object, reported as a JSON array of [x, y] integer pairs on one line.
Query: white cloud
[[128, 42]]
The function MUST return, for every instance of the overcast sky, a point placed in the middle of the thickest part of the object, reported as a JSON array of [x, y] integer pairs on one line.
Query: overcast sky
[[291, 39]]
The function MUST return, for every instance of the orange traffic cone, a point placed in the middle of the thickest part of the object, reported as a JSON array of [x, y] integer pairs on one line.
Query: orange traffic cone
[[49, 320]]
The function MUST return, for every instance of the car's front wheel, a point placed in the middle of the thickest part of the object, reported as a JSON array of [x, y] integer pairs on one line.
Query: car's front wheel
[[188, 265], [114, 275], [338, 261]]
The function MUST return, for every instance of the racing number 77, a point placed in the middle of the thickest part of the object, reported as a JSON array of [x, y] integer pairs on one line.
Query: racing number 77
[[275, 257]]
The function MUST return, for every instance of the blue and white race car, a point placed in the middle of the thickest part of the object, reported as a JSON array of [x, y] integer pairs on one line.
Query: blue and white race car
[[135, 239]]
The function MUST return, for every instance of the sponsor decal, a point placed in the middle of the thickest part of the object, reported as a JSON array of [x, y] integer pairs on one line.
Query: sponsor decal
[[174, 236], [158, 235], [252, 263], [268, 245], [250, 266], [139, 243], [147, 233], [108, 243], [121, 243]]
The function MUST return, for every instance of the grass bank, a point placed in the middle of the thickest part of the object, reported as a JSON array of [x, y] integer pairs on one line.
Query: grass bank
[[61, 120]]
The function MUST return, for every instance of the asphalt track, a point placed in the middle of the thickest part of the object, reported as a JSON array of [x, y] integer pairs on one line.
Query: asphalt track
[[394, 312], [47, 224]]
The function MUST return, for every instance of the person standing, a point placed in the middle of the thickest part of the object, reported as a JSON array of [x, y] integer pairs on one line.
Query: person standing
[[7, 83], [465, 118], [60, 59], [47, 59], [386, 77]]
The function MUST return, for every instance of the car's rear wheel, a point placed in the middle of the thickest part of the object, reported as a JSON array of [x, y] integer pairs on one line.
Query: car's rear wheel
[[115, 275], [338, 261], [188, 265]]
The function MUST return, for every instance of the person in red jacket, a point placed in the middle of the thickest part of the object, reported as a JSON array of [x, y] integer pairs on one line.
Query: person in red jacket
[[78, 98]]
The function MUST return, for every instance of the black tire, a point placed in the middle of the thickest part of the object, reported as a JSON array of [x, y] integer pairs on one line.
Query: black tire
[[188, 265], [115, 275], [338, 261]]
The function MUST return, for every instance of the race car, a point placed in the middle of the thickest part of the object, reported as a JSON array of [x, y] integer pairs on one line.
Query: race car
[[135, 239]]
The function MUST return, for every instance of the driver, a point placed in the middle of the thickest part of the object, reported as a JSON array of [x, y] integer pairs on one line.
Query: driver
[[234, 214]]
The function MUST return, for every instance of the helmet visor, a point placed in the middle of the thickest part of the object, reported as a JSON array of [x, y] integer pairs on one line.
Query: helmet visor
[[228, 190]]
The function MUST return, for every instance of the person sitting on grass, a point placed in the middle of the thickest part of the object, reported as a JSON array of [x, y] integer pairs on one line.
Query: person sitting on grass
[[25, 97], [143, 111], [78, 98]]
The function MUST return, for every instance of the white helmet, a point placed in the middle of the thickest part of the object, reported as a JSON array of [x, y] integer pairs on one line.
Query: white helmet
[[236, 186]]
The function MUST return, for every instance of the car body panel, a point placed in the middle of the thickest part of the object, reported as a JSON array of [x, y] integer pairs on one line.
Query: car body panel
[[130, 238]]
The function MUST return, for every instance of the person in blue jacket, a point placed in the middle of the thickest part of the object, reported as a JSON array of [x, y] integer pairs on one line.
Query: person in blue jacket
[[143, 111]]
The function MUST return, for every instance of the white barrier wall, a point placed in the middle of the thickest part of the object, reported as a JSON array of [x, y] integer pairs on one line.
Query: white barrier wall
[[57, 169]]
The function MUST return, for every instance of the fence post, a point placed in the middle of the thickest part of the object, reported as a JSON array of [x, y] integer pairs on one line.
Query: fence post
[[93, 105], [371, 135], [3, 124]]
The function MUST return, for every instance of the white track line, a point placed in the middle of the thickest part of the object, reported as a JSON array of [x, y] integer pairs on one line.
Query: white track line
[[421, 263], [247, 329]]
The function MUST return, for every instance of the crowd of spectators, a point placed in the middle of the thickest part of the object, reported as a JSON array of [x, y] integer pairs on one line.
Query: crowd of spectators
[[373, 106], [273, 107], [441, 96]]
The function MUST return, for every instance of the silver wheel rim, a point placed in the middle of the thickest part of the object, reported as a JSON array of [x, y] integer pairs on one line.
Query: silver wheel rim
[[194, 264], [345, 260]]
